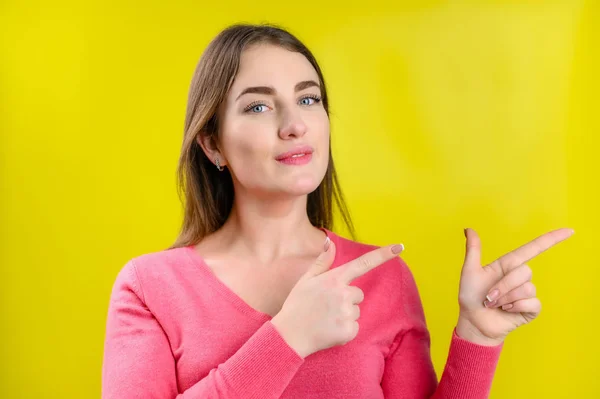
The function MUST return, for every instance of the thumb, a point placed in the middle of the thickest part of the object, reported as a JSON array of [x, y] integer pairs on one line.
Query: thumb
[[473, 250], [324, 260]]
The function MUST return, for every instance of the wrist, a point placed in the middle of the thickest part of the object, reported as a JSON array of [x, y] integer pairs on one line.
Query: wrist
[[290, 339], [467, 331]]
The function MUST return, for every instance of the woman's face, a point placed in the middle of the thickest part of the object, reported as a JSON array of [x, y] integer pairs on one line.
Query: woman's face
[[273, 129]]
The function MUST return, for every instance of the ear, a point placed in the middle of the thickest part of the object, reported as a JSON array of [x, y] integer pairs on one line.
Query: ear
[[210, 149]]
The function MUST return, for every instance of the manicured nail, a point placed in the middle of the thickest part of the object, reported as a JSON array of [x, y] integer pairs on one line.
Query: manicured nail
[[493, 295], [507, 306], [327, 242], [396, 249]]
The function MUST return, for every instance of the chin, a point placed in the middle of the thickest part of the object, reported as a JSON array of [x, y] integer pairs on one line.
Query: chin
[[303, 186]]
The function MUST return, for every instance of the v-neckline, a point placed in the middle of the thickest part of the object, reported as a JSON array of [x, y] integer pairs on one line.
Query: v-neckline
[[227, 292]]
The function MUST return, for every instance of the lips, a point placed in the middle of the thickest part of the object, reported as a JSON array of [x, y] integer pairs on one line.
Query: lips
[[295, 153]]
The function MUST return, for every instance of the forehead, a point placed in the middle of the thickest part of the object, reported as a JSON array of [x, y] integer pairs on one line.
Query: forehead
[[270, 65]]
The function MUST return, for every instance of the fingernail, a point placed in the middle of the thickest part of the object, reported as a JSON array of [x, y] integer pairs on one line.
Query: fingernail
[[491, 304], [396, 249], [326, 246], [507, 306], [493, 295]]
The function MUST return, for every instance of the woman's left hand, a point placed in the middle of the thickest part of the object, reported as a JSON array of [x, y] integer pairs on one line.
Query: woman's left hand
[[496, 299]]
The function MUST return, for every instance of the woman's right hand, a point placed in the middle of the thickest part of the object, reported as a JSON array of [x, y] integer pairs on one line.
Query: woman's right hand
[[321, 310]]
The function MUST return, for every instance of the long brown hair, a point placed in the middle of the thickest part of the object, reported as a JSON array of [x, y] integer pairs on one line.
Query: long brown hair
[[208, 192]]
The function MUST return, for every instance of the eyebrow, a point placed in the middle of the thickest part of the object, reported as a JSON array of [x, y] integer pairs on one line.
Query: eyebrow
[[268, 90]]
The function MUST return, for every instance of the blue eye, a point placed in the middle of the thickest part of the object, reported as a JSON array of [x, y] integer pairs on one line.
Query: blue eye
[[310, 100], [256, 108]]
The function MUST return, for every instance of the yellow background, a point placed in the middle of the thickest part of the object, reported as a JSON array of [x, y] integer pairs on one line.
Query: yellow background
[[445, 115]]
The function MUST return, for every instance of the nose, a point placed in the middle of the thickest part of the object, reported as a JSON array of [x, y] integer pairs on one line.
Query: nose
[[292, 127]]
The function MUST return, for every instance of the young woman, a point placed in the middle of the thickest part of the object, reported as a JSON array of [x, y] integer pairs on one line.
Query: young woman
[[258, 298]]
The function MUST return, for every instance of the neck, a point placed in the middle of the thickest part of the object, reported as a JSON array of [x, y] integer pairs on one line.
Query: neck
[[272, 229]]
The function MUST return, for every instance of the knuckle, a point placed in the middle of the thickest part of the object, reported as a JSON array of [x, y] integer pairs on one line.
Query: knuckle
[[319, 263], [346, 294], [503, 287], [530, 289], [355, 294], [349, 328], [361, 295], [349, 312], [504, 299], [527, 271], [505, 262], [365, 263]]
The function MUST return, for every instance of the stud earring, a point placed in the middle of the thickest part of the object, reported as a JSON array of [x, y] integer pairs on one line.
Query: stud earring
[[219, 167]]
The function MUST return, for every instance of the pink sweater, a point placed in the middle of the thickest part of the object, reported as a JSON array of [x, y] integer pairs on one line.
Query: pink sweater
[[174, 330]]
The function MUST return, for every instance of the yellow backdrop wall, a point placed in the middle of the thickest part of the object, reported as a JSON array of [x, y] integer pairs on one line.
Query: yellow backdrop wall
[[445, 115]]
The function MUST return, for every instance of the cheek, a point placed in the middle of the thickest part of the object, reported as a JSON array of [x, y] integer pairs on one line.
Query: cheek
[[322, 133], [245, 146]]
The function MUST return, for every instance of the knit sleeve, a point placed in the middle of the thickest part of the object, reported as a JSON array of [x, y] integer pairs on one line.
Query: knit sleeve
[[409, 372], [138, 362]]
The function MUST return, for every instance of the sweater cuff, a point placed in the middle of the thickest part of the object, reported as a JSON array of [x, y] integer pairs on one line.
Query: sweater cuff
[[470, 369], [474, 352], [268, 361]]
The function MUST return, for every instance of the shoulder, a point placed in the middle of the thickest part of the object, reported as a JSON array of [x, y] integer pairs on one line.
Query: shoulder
[[156, 267], [162, 265], [160, 260]]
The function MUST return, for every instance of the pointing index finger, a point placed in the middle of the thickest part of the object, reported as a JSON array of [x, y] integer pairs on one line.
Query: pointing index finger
[[532, 249], [369, 261]]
